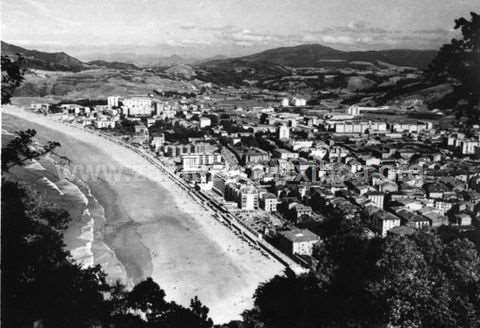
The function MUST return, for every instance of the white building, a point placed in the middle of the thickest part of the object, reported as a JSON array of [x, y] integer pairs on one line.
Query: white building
[[268, 202], [353, 110], [195, 162], [204, 122], [138, 106], [298, 102], [299, 241], [113, 101], [105, 123], [377, 198], [469, 147], [248, 198], [157, 142], [283, 132]]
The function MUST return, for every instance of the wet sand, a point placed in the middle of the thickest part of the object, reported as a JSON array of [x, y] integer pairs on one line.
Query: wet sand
[[156, 229]]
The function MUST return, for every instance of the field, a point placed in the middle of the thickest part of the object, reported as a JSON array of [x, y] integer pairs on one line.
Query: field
[[97, 83]]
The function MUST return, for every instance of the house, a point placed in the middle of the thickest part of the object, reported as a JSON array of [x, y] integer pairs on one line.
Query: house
[[302, 210], [377, 198], [462, 219], [157, 142], [201, 161], [380, 220], [436, 190], [285, 154], [298, 241], [268, 202], [205, 122], [140, 134], [138, 106], [411, 219]]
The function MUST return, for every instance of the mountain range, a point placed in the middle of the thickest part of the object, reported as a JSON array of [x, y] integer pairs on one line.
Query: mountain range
[[52, 61], [266, 64], [316, 55]]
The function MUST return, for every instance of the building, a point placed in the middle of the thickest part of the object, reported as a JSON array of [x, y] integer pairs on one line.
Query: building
[[353, 110], [285, 154], [175, 150], [113, 101], [411, 127], [205, 122], [248, 198], [302, 210], [138, 106], [377, 198], [469, 147], [40, 107], [104, 123], [220, 181], [141, 134], [298, 241], [283, 132], [268, 202], [384, 221], [254, 155], [298, 102], [300, 144], [200, 161], [157, 142], [462, 219]]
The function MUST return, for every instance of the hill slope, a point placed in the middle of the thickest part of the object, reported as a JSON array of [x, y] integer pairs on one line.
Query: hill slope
[[112, 64], [55, 61], [316, 55], [282, 61]]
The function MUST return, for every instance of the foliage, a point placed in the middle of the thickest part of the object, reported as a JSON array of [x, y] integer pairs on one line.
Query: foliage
[[401, 281], [12, 77], [460, 60], [21, 149]]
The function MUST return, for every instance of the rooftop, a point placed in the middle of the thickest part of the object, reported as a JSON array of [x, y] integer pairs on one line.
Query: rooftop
[[299, 235]]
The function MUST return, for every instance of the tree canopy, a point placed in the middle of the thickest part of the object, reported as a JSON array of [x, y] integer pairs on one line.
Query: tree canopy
[[460, 60], [12, 76]]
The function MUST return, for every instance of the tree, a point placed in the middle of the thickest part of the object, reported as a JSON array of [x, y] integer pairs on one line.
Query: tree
[[201, 311], [39, 281], [12, 76], [21, 149], [148, 297], [460, 60]]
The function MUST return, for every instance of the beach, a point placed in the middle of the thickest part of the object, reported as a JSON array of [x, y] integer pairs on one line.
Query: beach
[[152, 227]]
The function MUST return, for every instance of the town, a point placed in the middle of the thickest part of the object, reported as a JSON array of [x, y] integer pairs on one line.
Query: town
[[283, 168]]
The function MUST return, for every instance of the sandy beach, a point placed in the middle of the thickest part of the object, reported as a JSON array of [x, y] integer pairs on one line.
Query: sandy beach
[[155, 228]]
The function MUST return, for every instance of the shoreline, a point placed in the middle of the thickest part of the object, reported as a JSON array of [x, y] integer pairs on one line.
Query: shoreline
[[240, 265]]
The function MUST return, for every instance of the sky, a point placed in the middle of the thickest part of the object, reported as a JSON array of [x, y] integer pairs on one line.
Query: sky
[[202, 28]]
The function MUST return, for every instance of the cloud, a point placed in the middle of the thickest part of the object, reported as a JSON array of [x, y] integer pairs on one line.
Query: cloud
[[436, 31], [188, 27], [47, 12], [362, 35]]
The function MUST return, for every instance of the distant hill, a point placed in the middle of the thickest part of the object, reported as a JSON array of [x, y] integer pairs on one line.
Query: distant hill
[[316, 55], [181, 71], [282, 61], [55, 61], [112, 64], [206, 60], [172, 60]]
